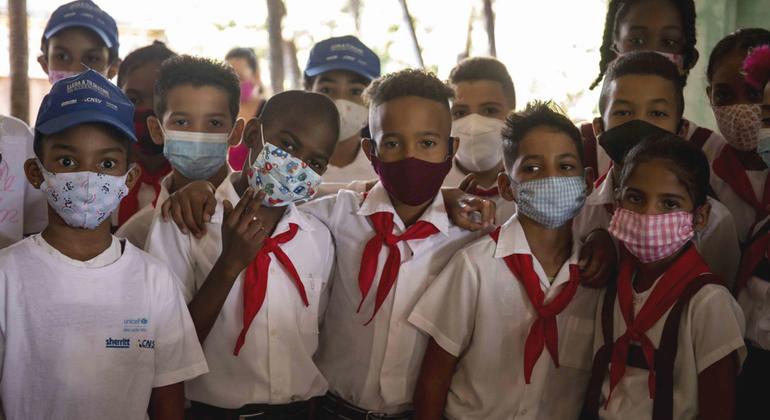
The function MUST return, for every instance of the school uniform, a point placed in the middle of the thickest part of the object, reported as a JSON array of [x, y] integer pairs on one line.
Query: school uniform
[[101, 336], [137, 228], [479, 310], [504, 209], [144, 193], [274, 366], [369, 353], [23, 209], [703, 325], [717, 242]]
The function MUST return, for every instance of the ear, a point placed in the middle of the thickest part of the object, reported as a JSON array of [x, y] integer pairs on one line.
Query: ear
[[504, 186], [133, 176], [43, 61], [590, 178], [112, 71], [598, 125], [369, 146], [33, 173], [700, 217], [455, 144], [708, 93], [695, 57], [156, 130], [237, 133], [684, 127], [252, 135]]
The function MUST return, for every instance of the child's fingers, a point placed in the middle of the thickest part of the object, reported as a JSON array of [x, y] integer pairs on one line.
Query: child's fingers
[[209, 208], [176, 216], [240, 207], [189, 219], [227, 208], [464, 183], [165, 209], [254, 229], [487, 213]]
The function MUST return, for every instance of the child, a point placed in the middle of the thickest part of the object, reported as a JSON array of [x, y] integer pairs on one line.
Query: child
[[644, 90], [110, 334], [672, 345], [245, 64], [195, 119], [258, 320], [341, 68], [79, 35], [136, 77], [484, 94], [506, 298], [739, 176]]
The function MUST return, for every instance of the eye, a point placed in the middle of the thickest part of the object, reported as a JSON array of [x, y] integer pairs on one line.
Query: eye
[[490, 110], [216, 123], [390, 144], [325, 90], [108, 164], [636, 41], [671, 43], [181, 122], [621, 113], [755, 95], [633, 198], [669, 204], [567, 167], [356, 91], [531, 168], [287, 146], [459, 113], [428, 143], [66, 162], [317, 166], [134, 100], [659, 114], [61, 56], [92, 59]]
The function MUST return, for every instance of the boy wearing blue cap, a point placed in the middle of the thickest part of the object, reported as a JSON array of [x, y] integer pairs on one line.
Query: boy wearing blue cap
[[79, 35], [110, 335], [341, 68]]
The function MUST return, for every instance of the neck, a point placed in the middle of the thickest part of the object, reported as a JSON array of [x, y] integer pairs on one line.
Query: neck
[[179, 181], [78, 244], [484, 179], [152, 163], [750, 160], [270, 215], [346, 151], [647, 274], [409, 214], [551, 247]]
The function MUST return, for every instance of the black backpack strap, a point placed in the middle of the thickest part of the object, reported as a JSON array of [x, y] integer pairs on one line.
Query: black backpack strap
[[602, 357]]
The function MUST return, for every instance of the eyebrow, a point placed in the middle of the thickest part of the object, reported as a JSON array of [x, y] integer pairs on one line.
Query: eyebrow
[[670, 195], [428, 133], [564, 155], [326, 79], [491, 103], [64, 147]]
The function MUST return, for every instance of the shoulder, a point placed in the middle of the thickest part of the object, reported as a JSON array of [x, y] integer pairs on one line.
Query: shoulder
[[13, 252]]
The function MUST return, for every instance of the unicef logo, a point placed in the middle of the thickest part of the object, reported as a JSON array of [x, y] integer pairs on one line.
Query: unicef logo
[[144, 321]]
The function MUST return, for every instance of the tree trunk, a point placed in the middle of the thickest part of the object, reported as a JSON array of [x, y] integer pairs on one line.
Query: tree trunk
[[293, 65], [410, 25], [489, 18], [275, 13], [468, 36], [19, 55], [355, 10]]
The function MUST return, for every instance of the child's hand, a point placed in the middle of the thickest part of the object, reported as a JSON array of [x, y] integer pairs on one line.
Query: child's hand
[[191, 207], [242, 231], [598, 259], [468, 183], [461, 206]]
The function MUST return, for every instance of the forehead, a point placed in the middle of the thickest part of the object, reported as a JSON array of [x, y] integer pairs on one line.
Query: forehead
[[340, 76], [655, 177], [312, 130], [479, 91], [411, 113], [651, 14], [547, 142], [77, 38], [240, 64], [85, 138], [641, 88], [197, 100], [728, 68]]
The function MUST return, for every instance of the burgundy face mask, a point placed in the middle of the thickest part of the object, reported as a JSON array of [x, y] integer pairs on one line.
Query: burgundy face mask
[[145, 144], [412, 181]]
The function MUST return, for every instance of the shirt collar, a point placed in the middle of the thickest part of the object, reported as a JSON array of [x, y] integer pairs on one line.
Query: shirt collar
[[605, 193], [378, 200]]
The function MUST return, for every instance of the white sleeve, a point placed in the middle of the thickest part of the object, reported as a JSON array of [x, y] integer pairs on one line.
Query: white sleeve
[[171, 246], [718, 326], [447, 309], [718, 243], [330, 264], [178, 354], [322, 209]]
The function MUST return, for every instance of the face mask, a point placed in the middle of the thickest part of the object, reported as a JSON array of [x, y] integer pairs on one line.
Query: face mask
[[284, 178], [551, 201], [763, 145], [195, 155], [247, 90], [353, 118], [56, 75], [652, 237], [83, 199], [481, 144], [145, 144], [618, 141], [412, 181], [739, 124]]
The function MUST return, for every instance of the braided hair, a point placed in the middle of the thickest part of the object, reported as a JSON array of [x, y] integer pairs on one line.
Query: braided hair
[[617, 9]]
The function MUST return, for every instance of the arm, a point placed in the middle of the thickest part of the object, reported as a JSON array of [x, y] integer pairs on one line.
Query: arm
[[167, 402], [598, 259], [191, 207], [716, 389], [438, 367]]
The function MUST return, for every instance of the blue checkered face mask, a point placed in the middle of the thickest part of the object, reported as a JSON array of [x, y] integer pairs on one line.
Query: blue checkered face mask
[[195, 155], [551, 201]]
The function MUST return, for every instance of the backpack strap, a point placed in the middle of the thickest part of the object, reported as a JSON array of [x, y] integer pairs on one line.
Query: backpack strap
[[590, 152], [601, 363]]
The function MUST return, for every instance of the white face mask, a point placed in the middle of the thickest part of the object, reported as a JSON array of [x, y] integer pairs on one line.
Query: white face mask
[[481, 144], [353, 118]]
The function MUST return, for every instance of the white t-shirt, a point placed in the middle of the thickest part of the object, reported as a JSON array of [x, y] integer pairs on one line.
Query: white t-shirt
[[711, 328], [478, 311], [23, 209], [96, 343], [275, 364]]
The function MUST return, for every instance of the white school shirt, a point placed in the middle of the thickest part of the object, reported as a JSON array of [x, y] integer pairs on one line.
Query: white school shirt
[[275, 365], [711, 329], [375, 367], [755, 303], [478, 311], [137, 228], [717, 243], [96, 343], [23, 209]]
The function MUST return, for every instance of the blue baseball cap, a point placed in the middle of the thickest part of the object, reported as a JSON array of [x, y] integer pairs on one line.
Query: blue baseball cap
[[84, 14], [87, 97], [343, 53]]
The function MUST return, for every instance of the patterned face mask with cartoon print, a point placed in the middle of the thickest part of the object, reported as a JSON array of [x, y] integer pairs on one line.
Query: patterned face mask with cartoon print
[[83, 199], [284, 178]]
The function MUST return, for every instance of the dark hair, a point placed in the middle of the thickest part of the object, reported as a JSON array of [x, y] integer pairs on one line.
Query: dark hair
[[536, 114], [316, 107], [246, 54], [113, 52], [125, 141], [155, 52], [198, 72], [643, 63], [617, 10], [683, 158], [741, 40], [484, 68], [408, 82], [357, 78]]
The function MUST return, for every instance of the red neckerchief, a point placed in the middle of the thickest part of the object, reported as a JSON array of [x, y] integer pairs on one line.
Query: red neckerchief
[[483, 192], [255, 281], [382, 223], [130, 203], [664, 294], [730, 169], [544, 331]]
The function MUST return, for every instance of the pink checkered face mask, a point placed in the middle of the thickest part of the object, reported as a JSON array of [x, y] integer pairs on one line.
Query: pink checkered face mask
[[652, 237]]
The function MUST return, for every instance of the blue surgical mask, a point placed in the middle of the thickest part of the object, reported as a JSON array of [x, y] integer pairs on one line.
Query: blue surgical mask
[[195, 155], [284, 178], [763, 146], [551, 201]]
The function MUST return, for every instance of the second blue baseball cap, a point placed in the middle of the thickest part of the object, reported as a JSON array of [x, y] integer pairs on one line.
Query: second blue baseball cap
[[87, 97], [85, 14], [343, 53]]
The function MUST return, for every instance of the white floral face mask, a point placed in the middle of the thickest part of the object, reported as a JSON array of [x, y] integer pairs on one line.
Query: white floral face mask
[[83, 199], [740, 124]]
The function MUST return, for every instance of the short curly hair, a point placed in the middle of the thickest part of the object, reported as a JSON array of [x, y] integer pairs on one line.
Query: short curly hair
[[484, 68], [186, 70], [408, 82]]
